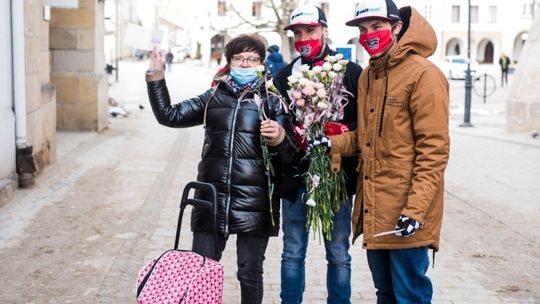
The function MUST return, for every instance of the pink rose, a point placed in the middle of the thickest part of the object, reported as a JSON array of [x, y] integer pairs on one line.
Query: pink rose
[[308, 90], [300, 102], [321, 92]]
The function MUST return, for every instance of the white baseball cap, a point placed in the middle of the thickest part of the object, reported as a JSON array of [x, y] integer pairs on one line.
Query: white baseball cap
[[375, 9], [307, 15]]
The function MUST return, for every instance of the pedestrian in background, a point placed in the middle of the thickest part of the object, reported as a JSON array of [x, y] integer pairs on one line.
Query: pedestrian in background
[[310, 30], [169, 57], [403, 135], [232, 155], [274, 61], [504, 62]]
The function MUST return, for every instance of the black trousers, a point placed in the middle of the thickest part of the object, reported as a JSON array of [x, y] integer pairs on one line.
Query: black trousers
[[250, 250]]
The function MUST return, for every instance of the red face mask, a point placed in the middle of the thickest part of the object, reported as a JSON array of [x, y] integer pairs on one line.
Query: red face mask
[[308, 49], [376, 42]]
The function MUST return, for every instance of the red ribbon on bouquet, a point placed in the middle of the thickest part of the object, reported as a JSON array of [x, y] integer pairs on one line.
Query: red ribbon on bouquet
[[330, 129], [334, 128]]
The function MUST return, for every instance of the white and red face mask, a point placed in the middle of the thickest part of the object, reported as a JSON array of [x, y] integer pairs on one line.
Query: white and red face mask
[[309, 49], [376, 42]]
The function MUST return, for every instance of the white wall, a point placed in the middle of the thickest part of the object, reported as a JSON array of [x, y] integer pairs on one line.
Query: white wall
[[7, 117]]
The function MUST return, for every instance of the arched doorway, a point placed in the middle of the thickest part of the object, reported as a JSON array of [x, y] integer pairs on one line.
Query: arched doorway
[[453, 47], [519, 43], [485, 51]]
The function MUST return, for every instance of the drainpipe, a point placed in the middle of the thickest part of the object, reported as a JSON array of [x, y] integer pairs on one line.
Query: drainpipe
[[26, 165]]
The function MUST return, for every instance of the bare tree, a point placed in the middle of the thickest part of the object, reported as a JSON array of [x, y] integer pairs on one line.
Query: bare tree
[[282, 11]]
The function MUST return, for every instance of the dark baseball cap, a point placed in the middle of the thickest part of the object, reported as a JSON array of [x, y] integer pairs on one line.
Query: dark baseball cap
[[375, 9], [307, 15]]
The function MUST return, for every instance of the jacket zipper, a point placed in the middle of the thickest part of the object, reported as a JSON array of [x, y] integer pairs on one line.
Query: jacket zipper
[[384, 101], [231, 146], [382, 116]]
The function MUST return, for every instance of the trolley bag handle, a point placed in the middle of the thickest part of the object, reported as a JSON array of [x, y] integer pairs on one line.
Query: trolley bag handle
[[204, 187]]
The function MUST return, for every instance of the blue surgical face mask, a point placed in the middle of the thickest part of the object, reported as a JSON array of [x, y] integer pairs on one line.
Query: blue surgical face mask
[[243, 76]]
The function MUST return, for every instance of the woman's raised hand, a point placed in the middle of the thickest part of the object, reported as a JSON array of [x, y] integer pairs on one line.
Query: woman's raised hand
[[157, 60]]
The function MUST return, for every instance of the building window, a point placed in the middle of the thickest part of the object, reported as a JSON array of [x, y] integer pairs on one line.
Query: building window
[[455, 13], [492, 14], [474, 13], [221, 8], [256, 9], [427, 11], [325, 7], [528, 8]]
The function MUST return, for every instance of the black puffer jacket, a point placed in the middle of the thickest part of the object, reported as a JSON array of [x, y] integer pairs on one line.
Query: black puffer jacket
[[231, 157], [293, 180]]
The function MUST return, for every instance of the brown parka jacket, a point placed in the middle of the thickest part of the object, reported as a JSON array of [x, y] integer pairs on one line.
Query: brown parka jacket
[[403, 139]]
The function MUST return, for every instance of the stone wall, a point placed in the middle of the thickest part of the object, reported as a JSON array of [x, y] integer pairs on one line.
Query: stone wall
[[76, 42], [40, 94], [523, 103]]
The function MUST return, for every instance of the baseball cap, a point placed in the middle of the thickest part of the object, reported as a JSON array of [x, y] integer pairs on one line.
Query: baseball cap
[[307, 15], [374, 9]]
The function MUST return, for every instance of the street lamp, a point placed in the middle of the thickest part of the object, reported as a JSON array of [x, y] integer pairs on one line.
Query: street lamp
[[117, 40], [468, 78]]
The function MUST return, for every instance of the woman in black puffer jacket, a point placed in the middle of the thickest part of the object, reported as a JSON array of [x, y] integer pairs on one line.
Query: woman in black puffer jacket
[[232, 155]]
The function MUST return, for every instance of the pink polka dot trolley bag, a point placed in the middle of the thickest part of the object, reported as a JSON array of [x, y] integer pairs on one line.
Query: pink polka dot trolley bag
[[182, 276]]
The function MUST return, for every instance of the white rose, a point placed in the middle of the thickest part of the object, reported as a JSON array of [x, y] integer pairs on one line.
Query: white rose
[[317, 69], [332, 74], [304, 68], [337, 67], [322, 105], [331, 59], [260, 68], [298, 75], [292, 79], [327, 66], [339, 56], [303, 81]]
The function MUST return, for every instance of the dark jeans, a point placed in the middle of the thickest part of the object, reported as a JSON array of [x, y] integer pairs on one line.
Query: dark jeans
[[504, 77], [250, 251], [295, 243], [399, 275]]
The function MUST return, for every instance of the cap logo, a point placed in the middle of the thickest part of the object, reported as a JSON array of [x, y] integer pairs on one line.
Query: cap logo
[[301, 14], [358, 13]]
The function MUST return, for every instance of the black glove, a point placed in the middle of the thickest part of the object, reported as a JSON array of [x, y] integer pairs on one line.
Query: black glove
[[320, 140], [408, 224]]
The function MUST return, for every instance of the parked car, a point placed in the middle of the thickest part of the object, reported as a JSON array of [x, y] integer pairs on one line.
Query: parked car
[[181, 53], [455, 67]]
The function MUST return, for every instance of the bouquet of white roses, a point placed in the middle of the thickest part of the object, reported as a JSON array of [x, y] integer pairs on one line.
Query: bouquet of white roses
[[318, 98]]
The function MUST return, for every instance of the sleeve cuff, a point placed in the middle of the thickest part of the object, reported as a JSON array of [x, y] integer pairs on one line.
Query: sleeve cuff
[[154, 75]]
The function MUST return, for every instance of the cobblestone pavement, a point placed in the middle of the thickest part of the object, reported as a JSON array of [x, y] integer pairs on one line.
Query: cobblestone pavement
[[110, 203]]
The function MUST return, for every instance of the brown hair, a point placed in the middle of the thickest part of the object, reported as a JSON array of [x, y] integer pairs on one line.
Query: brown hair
[[245, 43]]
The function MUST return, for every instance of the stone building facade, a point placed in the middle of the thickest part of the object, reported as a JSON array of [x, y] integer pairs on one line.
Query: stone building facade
[[52, 78]]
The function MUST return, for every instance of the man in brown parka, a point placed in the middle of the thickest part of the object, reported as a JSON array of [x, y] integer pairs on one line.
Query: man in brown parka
[[403, 141]]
